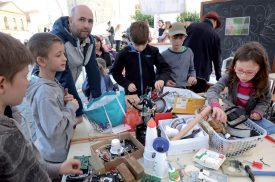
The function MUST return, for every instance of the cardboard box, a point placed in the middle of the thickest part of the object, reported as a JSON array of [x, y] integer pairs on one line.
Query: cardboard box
[[185, 145], [183, 101], [101, 166]]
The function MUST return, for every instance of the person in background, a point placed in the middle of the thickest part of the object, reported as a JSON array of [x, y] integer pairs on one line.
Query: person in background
[[20, 159], [179, 58], [118, 36], [248, 86], [164, 38], [161, 27], [75, 32], [101, 53], [53, 108], [204, 41], [111, 33], [106, 82], [139, 60]]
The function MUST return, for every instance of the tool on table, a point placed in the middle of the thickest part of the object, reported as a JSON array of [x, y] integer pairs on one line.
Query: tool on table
[[249, 172], [263, 173], [262, 160], [268, 137], [255, 164]]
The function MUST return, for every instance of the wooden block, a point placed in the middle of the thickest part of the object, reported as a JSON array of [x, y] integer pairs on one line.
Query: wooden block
[[125, 173], [135, 167]]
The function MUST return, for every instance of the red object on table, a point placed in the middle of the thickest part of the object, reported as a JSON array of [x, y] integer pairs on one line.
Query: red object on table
[[268, 137], [160, 116]]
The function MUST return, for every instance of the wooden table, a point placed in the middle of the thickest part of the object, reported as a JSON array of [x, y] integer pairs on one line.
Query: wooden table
[[265, 149]]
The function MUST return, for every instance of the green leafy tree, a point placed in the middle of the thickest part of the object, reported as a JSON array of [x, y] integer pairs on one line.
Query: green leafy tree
[[142, 17], [188, 16]]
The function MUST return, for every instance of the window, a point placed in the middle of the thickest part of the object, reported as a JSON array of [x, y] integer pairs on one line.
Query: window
[[6, 22], [22, 25], [14, 23]]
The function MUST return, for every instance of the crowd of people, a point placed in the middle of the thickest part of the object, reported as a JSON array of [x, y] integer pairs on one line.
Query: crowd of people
[[60, 56]]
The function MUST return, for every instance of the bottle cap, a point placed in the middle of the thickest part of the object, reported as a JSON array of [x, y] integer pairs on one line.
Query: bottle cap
[[161, 144], [151, 123]]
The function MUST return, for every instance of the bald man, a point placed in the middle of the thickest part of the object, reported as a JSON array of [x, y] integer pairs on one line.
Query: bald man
[[75, 31]]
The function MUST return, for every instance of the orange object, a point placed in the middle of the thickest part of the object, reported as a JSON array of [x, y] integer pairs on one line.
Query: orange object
[[132, 118], [151, 123]]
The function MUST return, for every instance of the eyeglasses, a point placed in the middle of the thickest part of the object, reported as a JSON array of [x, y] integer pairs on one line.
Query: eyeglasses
[[239, 71]]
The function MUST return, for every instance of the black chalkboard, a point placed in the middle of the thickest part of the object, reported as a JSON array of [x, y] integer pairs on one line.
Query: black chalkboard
[[261, 28]]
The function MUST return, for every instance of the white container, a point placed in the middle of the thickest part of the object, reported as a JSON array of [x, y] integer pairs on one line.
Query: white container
[[160, 169], [186, 145], [151, 135]]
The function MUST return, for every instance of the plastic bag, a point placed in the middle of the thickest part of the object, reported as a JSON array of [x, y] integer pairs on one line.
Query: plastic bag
[[108, 109]]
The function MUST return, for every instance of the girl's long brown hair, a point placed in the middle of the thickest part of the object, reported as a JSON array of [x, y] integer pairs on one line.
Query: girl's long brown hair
[[256, 52]]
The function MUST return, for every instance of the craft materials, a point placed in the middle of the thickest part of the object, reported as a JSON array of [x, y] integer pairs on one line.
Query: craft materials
[[209, 158]]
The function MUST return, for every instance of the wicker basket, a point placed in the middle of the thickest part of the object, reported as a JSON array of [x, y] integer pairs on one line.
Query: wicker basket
[[236, 147]]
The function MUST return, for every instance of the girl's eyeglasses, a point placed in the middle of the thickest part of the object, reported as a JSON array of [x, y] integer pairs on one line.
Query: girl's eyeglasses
[[239, 71]]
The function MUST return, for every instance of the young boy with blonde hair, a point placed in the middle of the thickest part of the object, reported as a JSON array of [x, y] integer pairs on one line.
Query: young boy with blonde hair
[[20, 160], [179, 58], [53, 107]]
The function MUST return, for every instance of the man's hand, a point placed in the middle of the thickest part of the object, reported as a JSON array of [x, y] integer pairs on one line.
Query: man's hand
[[74, 102], [71, 166], [159, 84], [170, 83], [192, 80], [132, 87]]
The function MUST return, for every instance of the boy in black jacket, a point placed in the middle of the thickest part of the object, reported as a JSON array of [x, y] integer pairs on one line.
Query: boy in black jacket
[[139, 60]]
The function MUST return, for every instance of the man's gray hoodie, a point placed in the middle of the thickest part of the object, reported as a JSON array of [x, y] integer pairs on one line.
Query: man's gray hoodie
[[54, 119]]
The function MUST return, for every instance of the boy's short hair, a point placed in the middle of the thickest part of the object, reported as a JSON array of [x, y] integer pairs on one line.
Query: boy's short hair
[[14, 56], [176, 29], [139, 32], [40, 43]]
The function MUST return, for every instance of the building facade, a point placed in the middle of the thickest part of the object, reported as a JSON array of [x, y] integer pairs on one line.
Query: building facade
[[13, 21]]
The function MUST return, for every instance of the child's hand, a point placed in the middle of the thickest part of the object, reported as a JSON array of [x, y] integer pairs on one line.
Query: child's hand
[[74, 102], [67, 97], [132, 87], [71, 166], [219, 114], [159, 84], [192, 80], [170, 83], [255, 116]]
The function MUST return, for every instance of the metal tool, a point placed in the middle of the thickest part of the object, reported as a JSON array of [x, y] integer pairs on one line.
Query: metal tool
[[262, 160]]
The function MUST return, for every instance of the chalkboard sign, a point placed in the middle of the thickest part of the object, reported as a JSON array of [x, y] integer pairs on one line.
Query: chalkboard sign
[[257, 19]]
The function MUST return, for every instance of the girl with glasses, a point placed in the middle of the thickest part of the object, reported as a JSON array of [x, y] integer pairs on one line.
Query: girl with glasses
[[248, 85]]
